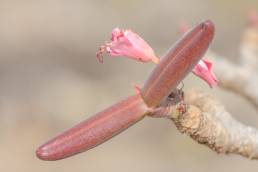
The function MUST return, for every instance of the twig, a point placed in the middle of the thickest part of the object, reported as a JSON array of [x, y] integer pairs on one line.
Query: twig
[[236, 78], [241, 78]]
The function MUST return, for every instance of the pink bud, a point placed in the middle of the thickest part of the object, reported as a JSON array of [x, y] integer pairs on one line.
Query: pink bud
[[128, 43], [204, 70]]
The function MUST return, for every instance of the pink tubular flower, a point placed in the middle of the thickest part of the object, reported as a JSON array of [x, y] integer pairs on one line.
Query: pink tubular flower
[[204, 70], [252, 18], [128, 43]]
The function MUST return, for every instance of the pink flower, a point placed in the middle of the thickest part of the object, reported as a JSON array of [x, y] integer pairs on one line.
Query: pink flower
[[252, 18], [204, 70], [128, 43]]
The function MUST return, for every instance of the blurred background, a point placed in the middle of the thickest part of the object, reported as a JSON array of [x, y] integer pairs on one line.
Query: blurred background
[[51, 80]]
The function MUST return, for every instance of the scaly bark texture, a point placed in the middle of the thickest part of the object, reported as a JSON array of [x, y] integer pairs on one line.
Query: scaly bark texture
[[206, 120]]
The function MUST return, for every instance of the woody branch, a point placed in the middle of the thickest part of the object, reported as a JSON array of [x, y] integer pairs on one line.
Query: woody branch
[[206, 120]]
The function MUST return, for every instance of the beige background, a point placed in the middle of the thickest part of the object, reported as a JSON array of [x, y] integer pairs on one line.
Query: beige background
[[50, 80]]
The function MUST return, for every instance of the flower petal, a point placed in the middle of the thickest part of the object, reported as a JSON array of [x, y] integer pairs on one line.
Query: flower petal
[[204, 70], [128, 43]]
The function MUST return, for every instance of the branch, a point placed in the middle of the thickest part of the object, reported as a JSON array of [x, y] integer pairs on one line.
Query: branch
[[236, 78], [205, 120], [241, 78]]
